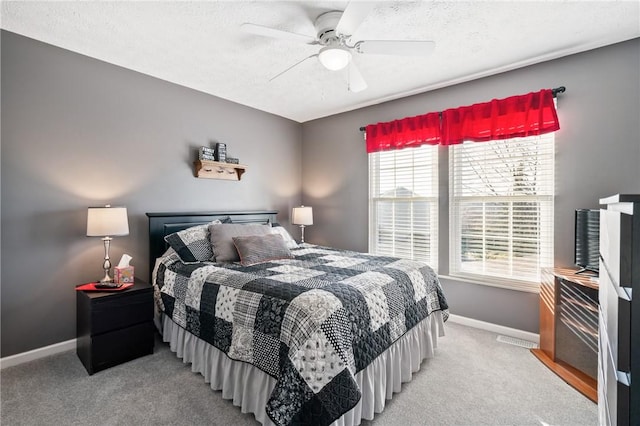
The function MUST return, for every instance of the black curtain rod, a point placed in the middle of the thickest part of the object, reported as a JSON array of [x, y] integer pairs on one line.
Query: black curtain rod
[[554, 92]]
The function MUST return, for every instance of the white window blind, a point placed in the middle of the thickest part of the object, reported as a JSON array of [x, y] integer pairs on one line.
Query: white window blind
[[403, 204], [501, 210]]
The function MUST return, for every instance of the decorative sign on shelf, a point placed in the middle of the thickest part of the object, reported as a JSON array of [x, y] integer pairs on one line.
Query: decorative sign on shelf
[[207, 154], [221, 152]]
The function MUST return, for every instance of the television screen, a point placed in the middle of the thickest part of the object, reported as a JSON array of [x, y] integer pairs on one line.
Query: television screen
[[587, 242]]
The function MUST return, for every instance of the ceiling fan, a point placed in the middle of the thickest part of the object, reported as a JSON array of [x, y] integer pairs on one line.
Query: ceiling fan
[[333, 32]]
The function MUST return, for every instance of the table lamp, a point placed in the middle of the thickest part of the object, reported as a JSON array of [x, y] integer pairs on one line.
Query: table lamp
[[302, 216], [106, 222]]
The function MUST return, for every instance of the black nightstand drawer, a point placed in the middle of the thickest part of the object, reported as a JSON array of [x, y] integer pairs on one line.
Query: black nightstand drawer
[[119, 346], [113, 313], [114, 327]]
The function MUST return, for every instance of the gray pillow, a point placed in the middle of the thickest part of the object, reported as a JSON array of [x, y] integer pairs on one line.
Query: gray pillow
[[261, 248], [221, 238]]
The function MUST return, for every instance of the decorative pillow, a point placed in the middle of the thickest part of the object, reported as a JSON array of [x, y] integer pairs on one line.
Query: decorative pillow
[[192, 244], [256, 249], [276, 228], [221, 238]]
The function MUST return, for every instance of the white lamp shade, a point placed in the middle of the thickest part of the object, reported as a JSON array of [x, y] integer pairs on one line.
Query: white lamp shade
[[302, 216], [107, 221], [334, 58]]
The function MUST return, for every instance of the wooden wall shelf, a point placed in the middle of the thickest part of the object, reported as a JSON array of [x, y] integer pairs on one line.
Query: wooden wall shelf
[[216, 170]]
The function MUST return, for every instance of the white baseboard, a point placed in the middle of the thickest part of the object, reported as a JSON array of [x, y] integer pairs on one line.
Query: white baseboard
[[56, 348], [495, 328]]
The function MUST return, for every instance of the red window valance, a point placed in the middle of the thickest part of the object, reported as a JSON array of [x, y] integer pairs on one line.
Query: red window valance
[[403, 133], [516, 116]]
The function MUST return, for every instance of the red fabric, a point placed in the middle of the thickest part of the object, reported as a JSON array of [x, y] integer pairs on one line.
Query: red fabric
[[404, 133], [518, 116]]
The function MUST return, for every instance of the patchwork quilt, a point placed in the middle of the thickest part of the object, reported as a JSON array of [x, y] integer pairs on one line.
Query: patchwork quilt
[[311, 322]]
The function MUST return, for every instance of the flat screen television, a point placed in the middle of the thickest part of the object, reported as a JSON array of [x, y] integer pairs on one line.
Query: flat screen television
[[587, 240]]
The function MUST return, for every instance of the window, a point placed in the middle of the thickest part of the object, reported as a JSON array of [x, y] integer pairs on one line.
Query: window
[[501, 210], [500, 190], [403, 203]]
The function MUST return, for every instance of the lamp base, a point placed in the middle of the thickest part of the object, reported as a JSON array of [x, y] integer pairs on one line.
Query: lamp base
[[107, 281]]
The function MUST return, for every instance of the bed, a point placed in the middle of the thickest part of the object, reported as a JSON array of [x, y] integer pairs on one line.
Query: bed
[[313, 335]]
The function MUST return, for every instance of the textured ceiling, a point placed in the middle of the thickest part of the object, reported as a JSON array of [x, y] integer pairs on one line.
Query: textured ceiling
[[200, 45]]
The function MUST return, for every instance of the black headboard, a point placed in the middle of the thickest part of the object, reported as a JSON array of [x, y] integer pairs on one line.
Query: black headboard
[[163, 224]]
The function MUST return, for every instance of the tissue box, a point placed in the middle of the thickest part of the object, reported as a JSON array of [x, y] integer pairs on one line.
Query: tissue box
[[123, 275]]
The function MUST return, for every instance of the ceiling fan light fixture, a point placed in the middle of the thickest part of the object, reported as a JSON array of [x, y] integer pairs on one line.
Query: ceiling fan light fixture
[[334, 58]]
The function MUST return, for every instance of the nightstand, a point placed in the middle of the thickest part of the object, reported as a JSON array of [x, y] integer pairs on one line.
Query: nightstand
[[114, 327]]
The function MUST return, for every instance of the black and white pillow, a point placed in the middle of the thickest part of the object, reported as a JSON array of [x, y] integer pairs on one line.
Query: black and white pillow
[[193, 244], [254, 249]]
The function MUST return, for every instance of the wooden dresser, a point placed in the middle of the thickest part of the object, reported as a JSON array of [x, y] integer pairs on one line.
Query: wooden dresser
[[569, 328]]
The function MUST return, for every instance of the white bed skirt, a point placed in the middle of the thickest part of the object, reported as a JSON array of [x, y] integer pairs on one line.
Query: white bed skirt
[[249, 387]]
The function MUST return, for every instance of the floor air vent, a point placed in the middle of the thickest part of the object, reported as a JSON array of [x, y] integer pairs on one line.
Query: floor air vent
[[517, 342]]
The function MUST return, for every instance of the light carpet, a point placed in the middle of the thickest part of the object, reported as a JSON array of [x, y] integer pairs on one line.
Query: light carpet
[[473, 380]]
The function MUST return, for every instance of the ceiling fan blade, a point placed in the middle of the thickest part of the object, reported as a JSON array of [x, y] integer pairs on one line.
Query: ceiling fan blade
[[294, 65], [395, 47], [353, 16], [356, 82], [261, 30]]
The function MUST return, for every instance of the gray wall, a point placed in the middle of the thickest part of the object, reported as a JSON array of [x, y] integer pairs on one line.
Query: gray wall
[[77, 132], [598, 154]]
